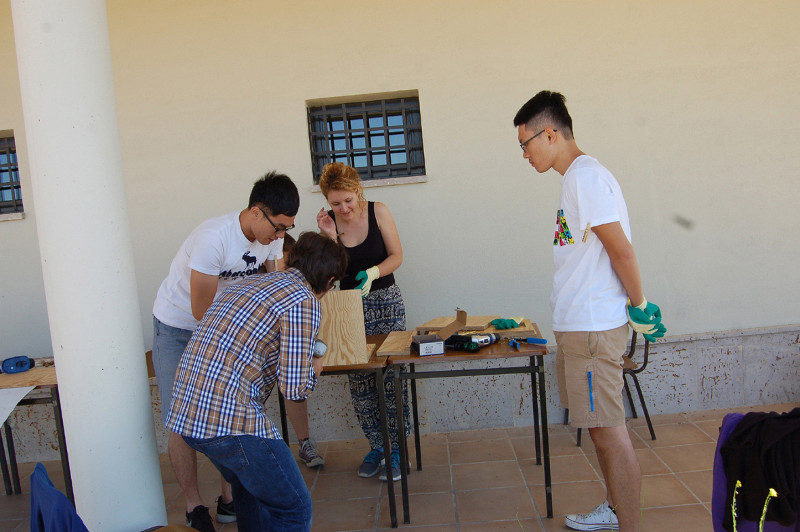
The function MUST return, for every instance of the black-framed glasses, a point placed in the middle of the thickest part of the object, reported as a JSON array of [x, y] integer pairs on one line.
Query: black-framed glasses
[[524, 145], [278, 228]]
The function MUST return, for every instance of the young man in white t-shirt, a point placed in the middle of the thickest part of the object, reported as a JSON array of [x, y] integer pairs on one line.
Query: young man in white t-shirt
[[217, 254], [596, 277]]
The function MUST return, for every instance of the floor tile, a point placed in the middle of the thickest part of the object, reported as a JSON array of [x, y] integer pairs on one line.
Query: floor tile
[[336, 486], [424, 509], [562, 469], [699, 483], [518, 525], [484, 475], [354, 514], [480, 451], [570, 497], [690, 518], [477, 435], [682, 433], [693, 457], [501, 504], [14, 525], [665, 490], [432, 479]]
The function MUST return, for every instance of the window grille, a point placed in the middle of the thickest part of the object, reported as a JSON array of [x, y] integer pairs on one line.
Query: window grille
[[10, 191], [380, 138]]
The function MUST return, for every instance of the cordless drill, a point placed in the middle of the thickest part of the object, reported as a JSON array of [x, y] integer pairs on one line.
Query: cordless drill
[[17, 364]]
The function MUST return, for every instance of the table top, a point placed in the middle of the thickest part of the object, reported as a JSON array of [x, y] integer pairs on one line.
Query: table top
[[497, 350], [39, 376]]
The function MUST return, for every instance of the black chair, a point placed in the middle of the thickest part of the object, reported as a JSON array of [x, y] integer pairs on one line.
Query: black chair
[[630, 369]]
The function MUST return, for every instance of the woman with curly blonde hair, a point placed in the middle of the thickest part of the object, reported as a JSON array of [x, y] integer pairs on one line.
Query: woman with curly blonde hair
[[369, 235]]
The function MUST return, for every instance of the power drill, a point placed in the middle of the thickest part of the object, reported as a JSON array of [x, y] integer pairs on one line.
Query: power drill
[[17, 364], [471, 343]]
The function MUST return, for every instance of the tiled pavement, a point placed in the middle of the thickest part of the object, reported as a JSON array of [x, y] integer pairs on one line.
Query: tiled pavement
[[484, 480]]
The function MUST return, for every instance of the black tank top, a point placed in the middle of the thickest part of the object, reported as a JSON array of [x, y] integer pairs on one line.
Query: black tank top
[[370, 252]]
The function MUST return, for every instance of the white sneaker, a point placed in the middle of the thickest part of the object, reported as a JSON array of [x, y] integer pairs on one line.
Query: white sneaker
[[601, 518]]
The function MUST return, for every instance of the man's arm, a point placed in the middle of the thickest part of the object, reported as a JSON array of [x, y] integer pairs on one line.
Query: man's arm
[[271, 265], [623, 259], [202, 289]]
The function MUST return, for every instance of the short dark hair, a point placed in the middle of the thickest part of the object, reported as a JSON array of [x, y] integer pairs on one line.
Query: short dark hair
[[318, 258], [276, 193], [546, 106]]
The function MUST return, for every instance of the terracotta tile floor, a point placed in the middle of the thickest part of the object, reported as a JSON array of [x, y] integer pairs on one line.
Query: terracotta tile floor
[[483, 480]]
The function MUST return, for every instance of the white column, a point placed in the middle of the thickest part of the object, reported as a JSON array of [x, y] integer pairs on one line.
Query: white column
[[69, 109]]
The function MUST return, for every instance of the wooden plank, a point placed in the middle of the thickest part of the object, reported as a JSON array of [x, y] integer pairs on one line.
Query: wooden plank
[[342, 328], [474, 323], [36, 376], [526, 328], [396, 344]]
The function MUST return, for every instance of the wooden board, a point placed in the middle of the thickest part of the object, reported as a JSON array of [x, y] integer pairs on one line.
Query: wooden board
[[36, 376], [342, 328], [474, 323], [396, 344], [526, 328]]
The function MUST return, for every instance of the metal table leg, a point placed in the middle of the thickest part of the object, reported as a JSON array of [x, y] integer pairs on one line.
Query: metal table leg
[[538, 363], [417, 445], [4, 468], [12, 458], [401, 436], [62, 445]]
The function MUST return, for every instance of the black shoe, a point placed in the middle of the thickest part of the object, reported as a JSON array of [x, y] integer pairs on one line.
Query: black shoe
[[200, 519], [226, 511]]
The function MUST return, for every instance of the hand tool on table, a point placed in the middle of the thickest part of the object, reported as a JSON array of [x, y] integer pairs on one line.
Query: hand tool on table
[[515, 341]]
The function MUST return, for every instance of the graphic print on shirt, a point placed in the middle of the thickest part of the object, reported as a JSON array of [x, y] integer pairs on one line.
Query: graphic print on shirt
[[249, 264], [563, 236]]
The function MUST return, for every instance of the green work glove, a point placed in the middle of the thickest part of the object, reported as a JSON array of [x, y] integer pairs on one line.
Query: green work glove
[[658, 333], [505, 323], [366, 277], [645, 319]]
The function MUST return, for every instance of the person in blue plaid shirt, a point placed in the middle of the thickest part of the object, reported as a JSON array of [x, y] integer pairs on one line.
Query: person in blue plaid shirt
[[257, 333]]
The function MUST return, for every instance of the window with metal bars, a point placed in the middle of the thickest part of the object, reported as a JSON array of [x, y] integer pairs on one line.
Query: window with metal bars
[[10, 192], [379, 138]]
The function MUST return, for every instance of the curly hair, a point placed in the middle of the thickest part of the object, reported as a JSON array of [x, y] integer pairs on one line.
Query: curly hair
[[339, 176]]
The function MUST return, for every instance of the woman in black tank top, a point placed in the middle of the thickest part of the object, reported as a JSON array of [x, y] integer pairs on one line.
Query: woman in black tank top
[[369, 234]]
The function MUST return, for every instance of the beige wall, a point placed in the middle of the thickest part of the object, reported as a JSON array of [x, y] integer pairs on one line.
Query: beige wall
[[693, 106]]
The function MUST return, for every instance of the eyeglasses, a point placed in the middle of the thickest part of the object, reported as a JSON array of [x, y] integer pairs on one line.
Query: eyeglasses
[[524, 145], [278, 229]]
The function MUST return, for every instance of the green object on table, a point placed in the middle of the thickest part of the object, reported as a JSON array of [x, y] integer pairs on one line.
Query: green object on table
[[504, 323]]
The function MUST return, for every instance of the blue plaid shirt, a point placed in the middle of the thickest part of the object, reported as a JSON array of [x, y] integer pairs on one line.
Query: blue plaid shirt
[[258, 332]]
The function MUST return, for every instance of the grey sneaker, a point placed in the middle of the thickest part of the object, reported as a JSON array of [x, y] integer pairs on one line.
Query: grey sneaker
[[601, 518], [226, 511], [308, 454], [371, 464], [200, 519], [395, 467]]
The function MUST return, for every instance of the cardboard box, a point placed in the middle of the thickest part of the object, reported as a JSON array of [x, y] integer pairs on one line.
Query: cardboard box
[[433, 344], [427, 344]]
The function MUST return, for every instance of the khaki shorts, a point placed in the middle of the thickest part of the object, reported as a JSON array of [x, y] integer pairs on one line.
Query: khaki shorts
[[598, 352]]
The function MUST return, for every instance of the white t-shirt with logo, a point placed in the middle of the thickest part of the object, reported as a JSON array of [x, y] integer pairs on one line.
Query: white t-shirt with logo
[[216, 247], [587, 293]]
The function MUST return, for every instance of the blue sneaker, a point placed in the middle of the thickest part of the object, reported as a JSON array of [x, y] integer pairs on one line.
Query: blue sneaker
[[371, 464], [395, 467]]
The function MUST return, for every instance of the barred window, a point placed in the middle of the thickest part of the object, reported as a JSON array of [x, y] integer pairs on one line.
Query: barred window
[[379, 138], [10, 192]]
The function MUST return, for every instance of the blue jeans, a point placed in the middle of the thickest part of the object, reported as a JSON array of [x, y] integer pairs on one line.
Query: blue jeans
[[269, 490], [168, 346]]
